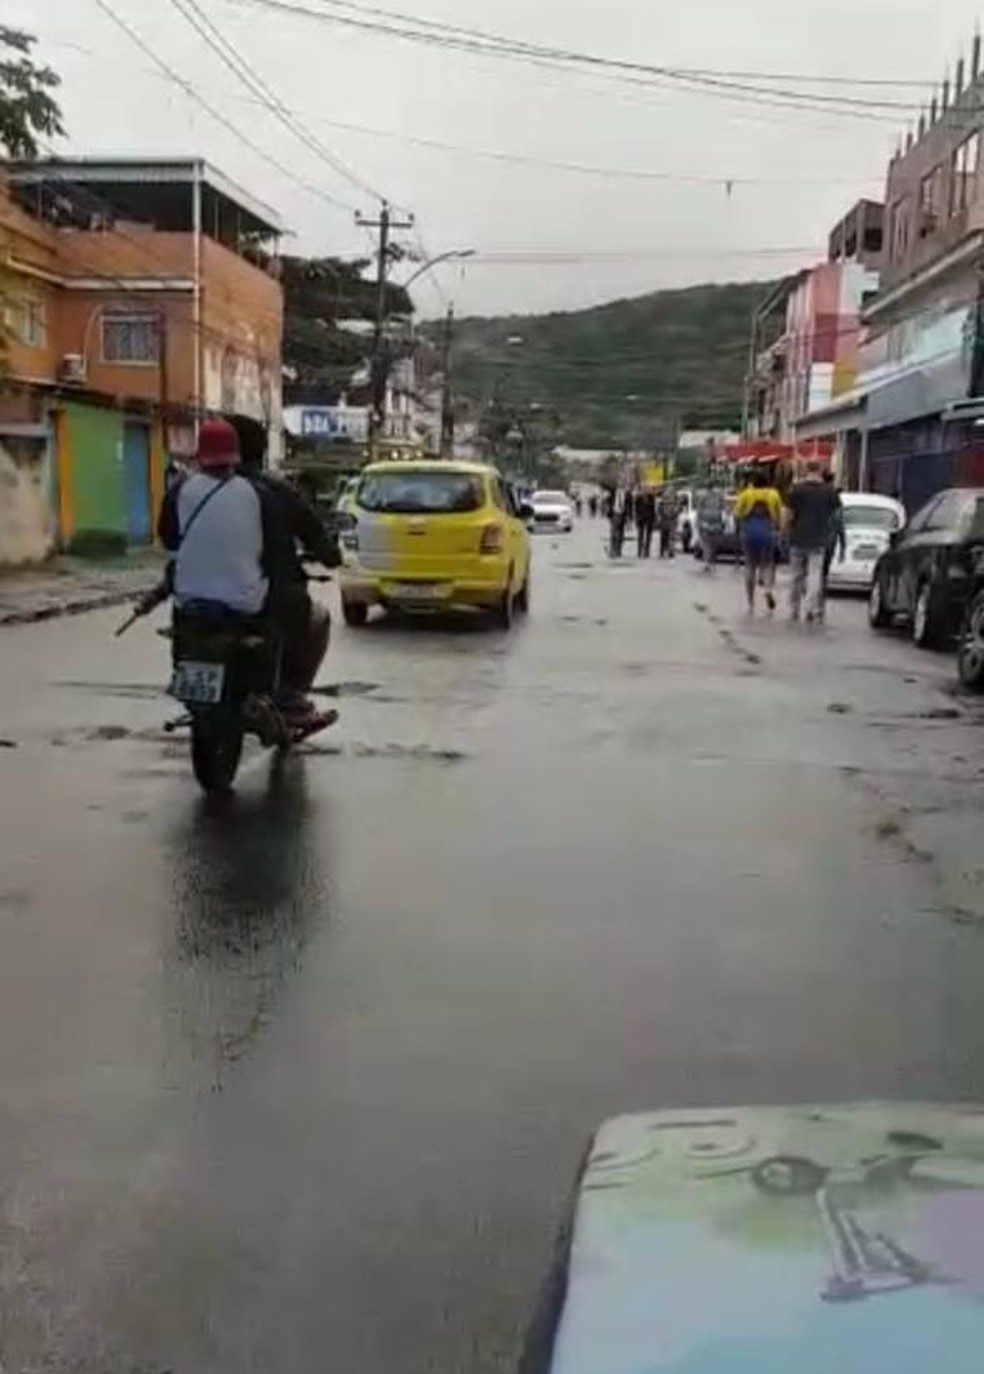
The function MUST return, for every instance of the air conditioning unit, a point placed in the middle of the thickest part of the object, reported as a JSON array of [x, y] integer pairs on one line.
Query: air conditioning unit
[[72, 368]]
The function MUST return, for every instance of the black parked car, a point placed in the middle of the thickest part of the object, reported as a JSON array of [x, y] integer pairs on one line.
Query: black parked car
[[927, 575], [970, 655]]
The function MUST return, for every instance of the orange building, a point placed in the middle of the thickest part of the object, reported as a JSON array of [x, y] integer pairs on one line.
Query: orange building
[[137, 296]]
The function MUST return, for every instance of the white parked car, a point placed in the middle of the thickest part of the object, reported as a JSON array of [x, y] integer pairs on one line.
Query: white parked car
[[552, 510], [869, 523]]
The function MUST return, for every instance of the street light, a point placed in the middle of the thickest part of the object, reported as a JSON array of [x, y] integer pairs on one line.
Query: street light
[[452, 255]]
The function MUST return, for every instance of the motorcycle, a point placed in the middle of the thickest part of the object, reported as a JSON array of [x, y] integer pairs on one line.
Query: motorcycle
[[226, 674]]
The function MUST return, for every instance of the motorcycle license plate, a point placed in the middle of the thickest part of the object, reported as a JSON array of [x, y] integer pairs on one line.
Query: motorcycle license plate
[[200, 683]]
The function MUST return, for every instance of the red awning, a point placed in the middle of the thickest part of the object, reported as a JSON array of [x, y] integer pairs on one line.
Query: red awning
[[773, 451]]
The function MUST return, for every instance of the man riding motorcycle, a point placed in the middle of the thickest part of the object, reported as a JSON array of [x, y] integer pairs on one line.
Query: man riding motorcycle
[[296, 532], [233, 533]]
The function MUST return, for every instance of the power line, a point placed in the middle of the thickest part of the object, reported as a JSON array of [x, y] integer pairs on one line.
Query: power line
[[217, 115], [488, 257], [251, 79], [635, 73], [722, 180], [442, 26]]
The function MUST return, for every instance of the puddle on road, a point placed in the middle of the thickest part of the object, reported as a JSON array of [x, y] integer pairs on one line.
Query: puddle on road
[[361, 750]]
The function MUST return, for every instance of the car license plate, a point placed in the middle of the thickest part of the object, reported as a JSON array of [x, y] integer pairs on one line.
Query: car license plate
[[862, 552], [420, 591], [198, 683]]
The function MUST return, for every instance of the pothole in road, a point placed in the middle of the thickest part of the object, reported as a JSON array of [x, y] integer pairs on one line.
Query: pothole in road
[[345, 689]]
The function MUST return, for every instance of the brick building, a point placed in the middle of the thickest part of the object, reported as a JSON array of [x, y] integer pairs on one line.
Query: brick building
[[138, 296]]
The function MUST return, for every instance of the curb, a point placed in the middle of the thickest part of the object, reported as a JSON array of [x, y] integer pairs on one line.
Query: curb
[[55, 612]]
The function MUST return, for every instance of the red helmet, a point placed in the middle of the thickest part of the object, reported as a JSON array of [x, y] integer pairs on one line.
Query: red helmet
[[218, 444]]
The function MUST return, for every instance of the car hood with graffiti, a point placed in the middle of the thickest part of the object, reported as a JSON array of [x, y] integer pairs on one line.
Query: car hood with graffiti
[[768, 1241]]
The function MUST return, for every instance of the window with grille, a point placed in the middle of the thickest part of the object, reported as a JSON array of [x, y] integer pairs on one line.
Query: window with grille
[[25, 320], [130, 338]]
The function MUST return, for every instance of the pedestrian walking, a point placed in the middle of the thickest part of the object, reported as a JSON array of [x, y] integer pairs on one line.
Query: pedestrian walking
[[712, 511], [618, 518], [814, 506], [645, 518], [836, 538], [758, 515], [593, 504], [666, 517]]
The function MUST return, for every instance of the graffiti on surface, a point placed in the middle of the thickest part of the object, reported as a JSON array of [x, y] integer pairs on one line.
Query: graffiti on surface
[[765, 1240], [240, 382], [25, 521]]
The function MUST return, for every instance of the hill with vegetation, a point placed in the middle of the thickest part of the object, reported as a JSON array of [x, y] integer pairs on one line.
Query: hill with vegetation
[[619, 375]]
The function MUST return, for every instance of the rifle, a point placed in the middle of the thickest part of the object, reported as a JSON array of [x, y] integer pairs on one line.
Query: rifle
[[146, 603]]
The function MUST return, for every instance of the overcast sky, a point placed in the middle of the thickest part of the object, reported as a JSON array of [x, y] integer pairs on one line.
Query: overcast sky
[[808, 166]]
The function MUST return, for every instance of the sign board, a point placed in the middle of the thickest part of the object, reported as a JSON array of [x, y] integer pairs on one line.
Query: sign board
[[331, 423]]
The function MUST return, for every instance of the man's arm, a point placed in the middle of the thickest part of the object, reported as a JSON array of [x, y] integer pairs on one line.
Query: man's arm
[[307, 526], [168, 525]]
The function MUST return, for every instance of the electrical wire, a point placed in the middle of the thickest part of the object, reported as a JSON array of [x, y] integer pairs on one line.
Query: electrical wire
[[717, 181], [634, 72], [217, 115], [193, 13], [645, 96], [805, 78]]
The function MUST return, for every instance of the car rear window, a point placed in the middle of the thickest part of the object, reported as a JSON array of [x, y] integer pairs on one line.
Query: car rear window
[[870, 517], [422, 492]]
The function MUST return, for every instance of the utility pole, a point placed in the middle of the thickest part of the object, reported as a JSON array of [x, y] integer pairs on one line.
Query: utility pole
[[447, 393], [379, 369]]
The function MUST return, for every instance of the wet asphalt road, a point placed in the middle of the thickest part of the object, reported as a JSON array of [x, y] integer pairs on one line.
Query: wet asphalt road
[[298, 1084]]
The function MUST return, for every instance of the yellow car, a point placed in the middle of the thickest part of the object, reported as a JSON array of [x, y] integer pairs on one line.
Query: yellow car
[[436, 536]]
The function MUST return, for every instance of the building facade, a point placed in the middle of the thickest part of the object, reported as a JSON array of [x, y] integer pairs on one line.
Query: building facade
[[807, 334], [911, 424], [137, 297]]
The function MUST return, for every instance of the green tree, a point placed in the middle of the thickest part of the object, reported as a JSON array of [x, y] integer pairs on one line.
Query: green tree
[[319, 295], [28, 109]]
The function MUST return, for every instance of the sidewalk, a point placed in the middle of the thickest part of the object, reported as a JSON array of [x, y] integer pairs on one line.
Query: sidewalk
[[69, 586]]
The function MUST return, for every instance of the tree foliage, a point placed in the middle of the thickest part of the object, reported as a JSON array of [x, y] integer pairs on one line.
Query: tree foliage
[[622, 375], [28, 109], [320, 294]]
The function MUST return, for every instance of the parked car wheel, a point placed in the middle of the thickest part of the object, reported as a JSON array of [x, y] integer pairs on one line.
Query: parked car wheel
[[926, 628], [879, 616], [354, 613], [970, 656]]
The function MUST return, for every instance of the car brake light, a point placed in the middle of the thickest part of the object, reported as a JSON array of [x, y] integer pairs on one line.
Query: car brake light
[[491, 541]]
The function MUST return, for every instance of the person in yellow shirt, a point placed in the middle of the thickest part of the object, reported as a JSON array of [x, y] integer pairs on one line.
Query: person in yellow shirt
[[758, 515]]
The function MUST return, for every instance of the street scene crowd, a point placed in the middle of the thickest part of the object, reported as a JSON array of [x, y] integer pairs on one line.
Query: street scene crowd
[[805, 527]]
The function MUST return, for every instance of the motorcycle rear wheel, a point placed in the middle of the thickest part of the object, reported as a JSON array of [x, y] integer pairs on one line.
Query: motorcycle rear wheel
[[216, 749]]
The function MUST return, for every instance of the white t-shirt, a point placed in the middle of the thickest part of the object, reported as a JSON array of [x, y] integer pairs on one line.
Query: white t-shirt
[[220, 559]]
